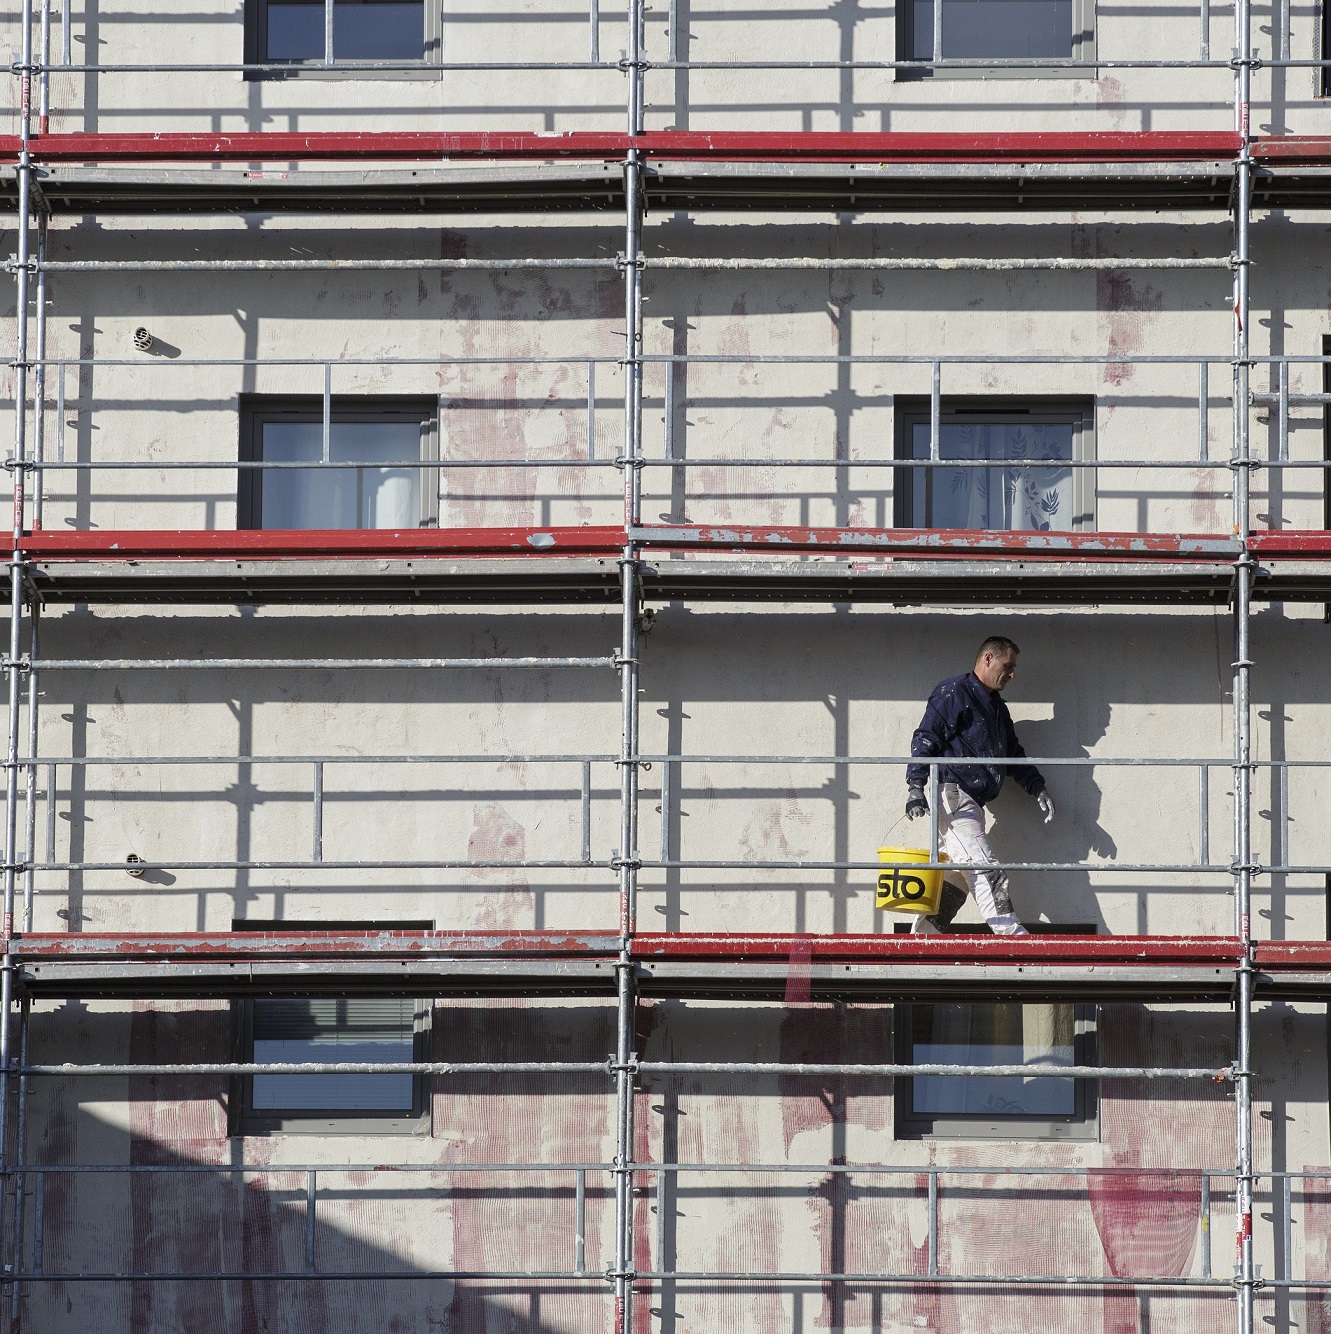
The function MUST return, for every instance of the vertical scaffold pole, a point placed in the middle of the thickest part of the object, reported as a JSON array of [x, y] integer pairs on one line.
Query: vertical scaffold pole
[[38, 453], [20, 1180], [14, 669], [626, 995], [44, 81], [1243, 864], [30, 809]]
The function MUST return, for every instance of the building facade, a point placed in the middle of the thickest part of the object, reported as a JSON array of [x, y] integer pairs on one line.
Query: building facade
[[493, 490]]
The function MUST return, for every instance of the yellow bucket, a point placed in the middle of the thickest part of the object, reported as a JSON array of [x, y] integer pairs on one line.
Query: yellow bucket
[[905, 886]]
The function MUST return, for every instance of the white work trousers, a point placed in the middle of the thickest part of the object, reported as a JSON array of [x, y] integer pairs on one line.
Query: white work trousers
[[961, 827]]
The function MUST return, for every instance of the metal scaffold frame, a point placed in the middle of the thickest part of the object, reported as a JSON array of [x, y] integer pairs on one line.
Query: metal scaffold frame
[[1169, 968]]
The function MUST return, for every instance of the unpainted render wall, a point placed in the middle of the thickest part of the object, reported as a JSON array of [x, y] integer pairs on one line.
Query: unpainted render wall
[[718, 681]]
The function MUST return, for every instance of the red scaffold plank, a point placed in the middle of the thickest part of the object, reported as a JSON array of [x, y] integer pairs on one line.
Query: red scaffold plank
[[1102, 951], [194, 946], [320, 544], [324, 146], [673, 145], [1290, 544], [1292, 150], [1062, 146], [1304, 956], [607, 541], [1224, 951], [943, 542]]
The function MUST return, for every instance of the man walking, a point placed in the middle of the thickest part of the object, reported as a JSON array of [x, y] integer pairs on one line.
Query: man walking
[[967, 718]]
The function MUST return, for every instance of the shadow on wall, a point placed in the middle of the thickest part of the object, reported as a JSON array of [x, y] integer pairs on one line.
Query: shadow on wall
[[406, 1224], [400, 1223], [392, 1227], [1076, 835]]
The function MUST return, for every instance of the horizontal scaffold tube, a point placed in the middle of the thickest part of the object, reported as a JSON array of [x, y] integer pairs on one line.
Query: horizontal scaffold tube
[[1054, 262], [341, 265], [645, 1067], [889, 263], [304, 664]]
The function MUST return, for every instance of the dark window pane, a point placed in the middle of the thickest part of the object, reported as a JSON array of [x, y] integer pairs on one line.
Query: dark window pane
[[922, 30], [997, 498], [295, 31], [378, 30], [1011, 29], [994, 29], [333, 1030], [1002, 1034]]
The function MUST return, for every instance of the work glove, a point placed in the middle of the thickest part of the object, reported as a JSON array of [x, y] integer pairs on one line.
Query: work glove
[[1046, 803], [916, 805]]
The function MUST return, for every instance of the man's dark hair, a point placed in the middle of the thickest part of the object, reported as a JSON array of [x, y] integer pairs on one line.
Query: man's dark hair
[[998, 645]]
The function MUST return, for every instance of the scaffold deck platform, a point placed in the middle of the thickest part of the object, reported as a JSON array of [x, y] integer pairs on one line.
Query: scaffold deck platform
[[756, 967], [491, 173], [678, 563]]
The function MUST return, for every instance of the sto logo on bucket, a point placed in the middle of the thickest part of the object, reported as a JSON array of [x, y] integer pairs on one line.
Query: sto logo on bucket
[[895, 884]]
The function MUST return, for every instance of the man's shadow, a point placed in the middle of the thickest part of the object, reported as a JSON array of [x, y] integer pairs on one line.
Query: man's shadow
[[1018, 831]]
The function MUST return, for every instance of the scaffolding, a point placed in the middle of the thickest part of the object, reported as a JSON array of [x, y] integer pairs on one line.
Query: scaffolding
[[628, 564]]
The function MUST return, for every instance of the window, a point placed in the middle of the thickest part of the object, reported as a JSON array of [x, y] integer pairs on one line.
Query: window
[[379, 433], [1035, 1106], [1056, 498], [297, 32], [979, 30], [328, 1029]]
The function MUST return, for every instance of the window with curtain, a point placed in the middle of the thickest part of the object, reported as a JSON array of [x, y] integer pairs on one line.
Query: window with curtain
[[1010, 467], [391, 438]]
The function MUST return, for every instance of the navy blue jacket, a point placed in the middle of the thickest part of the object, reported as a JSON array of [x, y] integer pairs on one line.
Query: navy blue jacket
[[965, 718]]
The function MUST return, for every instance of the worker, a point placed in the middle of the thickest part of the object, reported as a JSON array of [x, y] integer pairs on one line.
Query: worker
[[966, 717]]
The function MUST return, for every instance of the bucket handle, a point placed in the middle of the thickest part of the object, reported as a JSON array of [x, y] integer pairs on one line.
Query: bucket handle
[[891, 827]]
